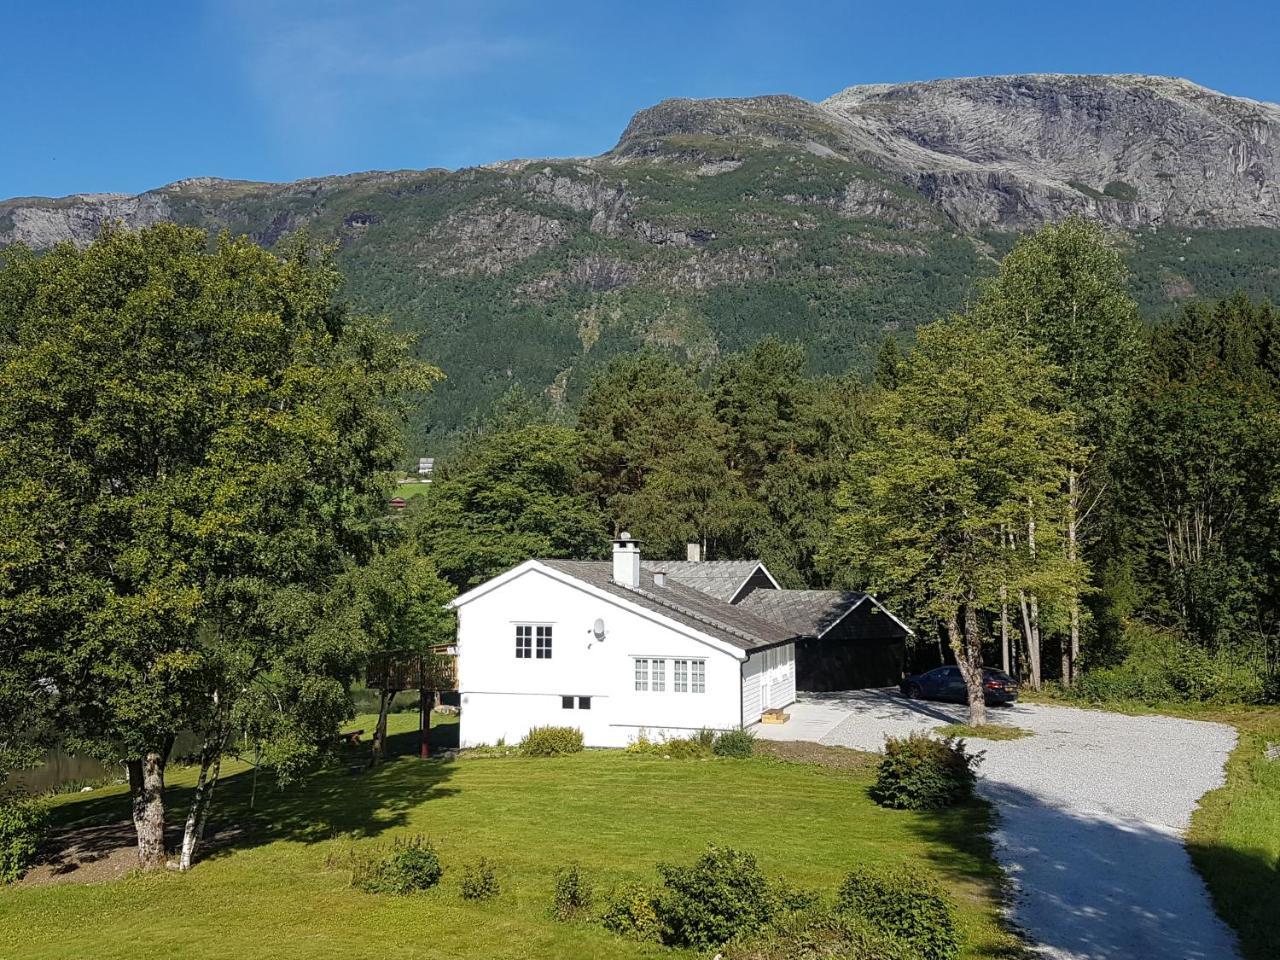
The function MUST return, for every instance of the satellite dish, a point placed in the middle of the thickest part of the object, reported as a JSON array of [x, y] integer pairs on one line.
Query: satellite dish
[[598, 628]]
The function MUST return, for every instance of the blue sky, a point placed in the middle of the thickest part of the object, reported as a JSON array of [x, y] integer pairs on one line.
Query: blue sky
[[131, 95]]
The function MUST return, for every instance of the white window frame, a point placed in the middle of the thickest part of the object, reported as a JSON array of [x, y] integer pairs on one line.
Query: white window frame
[[658, 675], [641, 674], [697, 676], [543, 635], [679, 676], [524, 641]]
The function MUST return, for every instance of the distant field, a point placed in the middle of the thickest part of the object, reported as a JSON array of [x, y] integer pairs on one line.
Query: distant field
[[618, 815]]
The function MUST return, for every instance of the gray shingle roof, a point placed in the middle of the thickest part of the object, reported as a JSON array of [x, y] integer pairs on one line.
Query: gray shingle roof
[[719, 578], [806, 612], [684, 604]]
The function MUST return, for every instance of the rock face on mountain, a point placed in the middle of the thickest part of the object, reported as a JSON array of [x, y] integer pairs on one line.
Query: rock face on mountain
[[712, 223]]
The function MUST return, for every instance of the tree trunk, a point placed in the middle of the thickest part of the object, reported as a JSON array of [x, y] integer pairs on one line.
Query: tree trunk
[[385, 699], [1031, 635], [146, 786], [1071, 656], [1005, 665], [966, 644], [198, 815]]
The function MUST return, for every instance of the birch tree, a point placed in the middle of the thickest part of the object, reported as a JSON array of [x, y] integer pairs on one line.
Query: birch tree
[[973, 433], [1066, 289], [194, 445]]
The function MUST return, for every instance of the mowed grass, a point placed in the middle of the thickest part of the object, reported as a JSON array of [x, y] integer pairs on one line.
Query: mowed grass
[[273, 895]]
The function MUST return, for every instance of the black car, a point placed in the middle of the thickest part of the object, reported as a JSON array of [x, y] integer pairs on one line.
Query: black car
[[946, 683]]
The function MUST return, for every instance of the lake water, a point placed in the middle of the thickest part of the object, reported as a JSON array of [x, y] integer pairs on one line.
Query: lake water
[[60, 768]]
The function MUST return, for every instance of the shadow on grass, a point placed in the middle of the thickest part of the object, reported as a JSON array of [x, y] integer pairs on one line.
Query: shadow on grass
[[1092, 886], [341, 796]]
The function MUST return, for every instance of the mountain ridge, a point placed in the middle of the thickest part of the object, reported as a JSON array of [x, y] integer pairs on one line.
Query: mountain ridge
[[713, 222]]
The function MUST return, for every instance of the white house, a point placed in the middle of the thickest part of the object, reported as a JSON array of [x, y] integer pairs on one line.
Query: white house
[[617, 648]]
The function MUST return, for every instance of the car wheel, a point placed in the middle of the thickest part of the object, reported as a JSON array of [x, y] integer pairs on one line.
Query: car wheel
[[913, 691]]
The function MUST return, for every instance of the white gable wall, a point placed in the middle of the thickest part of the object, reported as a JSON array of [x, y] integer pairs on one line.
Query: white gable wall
[[768, 680], [502, 697]]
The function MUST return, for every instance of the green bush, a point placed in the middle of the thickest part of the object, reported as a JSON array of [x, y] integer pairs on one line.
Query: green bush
[[411, 866], [573, 896], [23, 824], [904, 906], [632, 912], [1161, 667], [691, 748], [479, 881], [735, 743], [819, 935], [788, 899], [551, 742], [918, 772], [723, 894], [706, 737]]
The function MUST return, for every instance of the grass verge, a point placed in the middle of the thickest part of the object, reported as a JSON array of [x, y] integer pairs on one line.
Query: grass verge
[[985, 731]]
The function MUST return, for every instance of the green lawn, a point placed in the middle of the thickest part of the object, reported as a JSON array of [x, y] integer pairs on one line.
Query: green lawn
[[272, 896]]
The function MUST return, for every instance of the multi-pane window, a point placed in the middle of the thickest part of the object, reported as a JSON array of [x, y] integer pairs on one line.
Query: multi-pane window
[[524, 641], [642, 674], [544, 641], [583, 703], [699, 668], [680, 676], [687, 676], [659, 682]]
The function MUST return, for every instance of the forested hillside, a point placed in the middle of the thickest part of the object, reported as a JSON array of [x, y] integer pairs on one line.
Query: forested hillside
[[713, 223]]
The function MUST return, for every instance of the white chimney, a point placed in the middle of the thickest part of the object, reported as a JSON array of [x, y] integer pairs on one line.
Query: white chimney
[[694, 552], [659, 578], [626, 560]]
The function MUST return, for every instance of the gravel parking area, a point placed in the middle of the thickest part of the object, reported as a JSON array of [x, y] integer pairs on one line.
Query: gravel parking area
[[1092, 811]]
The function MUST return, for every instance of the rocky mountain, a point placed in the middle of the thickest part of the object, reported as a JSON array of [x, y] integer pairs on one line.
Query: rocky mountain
[[714, 222]]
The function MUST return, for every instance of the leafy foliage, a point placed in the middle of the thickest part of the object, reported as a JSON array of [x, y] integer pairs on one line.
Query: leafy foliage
[[631, 912], [574, 893], [721, 895], [905, 906], [23, 824], [735, 743], [411, 867], [551, 742], [818, 934], [508, 497], [480, 880], [919, 772]]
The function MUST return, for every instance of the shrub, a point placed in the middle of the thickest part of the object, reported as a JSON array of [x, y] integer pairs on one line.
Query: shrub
[[691, 748], [551, 741], [788, 899], [411, 866], [819, 935], [573, 893], [735, 743], [23, 824], [706, 737], [721, 895], [904, 906], [479, 881], [921, 773], [632, 912]]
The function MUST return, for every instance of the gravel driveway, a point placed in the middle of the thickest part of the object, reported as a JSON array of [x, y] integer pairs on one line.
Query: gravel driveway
[[1092, 811]]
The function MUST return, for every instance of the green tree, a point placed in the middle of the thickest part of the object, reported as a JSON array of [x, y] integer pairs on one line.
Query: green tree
[[505, 498], [654, 457], [194, 446], [971, 441], [1066, 288]]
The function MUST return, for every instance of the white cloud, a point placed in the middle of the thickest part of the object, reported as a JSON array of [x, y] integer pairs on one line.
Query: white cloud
[[314, 66]]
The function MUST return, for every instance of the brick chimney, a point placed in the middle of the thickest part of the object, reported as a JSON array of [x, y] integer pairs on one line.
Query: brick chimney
[[626, 560]]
